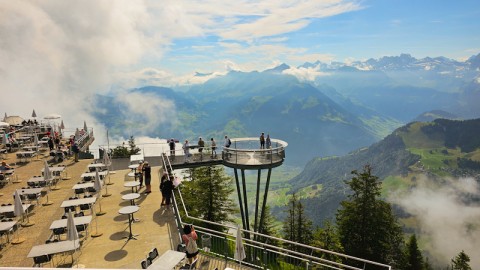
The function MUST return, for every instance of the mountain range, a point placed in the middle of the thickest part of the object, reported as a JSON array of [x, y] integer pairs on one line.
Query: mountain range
[[346, 107]]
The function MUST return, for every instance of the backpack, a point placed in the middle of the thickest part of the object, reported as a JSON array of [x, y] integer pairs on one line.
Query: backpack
[[191, 247]]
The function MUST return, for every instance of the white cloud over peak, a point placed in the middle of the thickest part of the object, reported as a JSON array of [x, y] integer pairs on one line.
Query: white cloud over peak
[[305, 74]]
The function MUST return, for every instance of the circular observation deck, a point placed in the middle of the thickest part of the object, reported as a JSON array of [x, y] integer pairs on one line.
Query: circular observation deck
[[245, 153]]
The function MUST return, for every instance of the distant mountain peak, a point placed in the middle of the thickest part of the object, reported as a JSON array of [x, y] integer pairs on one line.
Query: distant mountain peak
[[278, 69]]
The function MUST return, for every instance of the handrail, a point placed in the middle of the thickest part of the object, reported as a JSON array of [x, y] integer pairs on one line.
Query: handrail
[[271, 248]]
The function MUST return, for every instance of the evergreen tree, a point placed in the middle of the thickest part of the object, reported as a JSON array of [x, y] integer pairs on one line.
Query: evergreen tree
[[327, 238], [297, 227], [428, 266], [414, 255], [268, 227], [367, 227], [461, 262], [207, 195]]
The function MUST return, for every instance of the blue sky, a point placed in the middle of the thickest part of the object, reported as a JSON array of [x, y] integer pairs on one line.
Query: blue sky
[[369, 29], [56, 51]]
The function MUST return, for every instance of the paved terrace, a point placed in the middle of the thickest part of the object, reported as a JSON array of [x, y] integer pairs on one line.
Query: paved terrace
[[156, 227]]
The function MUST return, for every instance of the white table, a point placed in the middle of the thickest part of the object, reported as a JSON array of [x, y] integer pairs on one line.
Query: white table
[[131, 197], [36, 180], [92, 174], [25, 156], [93, 167], [77, 202], [32, 148], [62, 223], [10, 208], [6, 227], [84, 185], [54, 248], [169, 260], [132, 184], [129, 210], [55, 170]]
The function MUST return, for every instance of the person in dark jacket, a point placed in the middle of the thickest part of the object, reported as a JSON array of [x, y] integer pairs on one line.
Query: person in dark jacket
[[168, 189]]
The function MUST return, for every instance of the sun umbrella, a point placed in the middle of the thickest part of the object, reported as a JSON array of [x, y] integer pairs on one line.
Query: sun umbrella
[[34, 114], [239, 248], [18, 207], [106, 159], [97, 185], [5, 117], [52, 116], [62, 126], [72, 233], [84, 125], [35, 139], [77, 134], [47, 175]]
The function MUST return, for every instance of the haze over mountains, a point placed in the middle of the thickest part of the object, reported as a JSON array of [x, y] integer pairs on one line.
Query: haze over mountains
[[319, 109]]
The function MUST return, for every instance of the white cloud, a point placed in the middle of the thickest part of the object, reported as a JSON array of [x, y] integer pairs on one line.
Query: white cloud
[[445, 219], [305, 74]]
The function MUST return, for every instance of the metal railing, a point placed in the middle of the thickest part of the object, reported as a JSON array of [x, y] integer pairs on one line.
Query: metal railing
[[263, 251]]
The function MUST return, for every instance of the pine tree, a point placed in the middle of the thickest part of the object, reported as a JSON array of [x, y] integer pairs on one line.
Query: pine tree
[[268, 227], [461, 262], [367, 227], [414, 255], [327, 238], [207, 195], [297, 227]]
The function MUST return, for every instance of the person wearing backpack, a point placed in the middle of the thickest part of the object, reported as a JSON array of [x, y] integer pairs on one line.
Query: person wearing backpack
[[190, 239]]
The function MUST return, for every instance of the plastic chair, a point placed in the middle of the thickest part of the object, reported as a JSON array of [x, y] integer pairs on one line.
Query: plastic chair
[[153, 254], [39, 260]]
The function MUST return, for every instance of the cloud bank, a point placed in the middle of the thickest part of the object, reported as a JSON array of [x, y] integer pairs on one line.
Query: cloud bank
[[448, 218]]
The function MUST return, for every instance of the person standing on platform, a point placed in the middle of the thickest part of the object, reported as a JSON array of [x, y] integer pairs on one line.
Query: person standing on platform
[[189, 234], [214, 148], [171, 144], [147, 171], [186, 150], [268, 142], [162, 188], [168, 188], [262, 141], [227, 144], [201, 145]]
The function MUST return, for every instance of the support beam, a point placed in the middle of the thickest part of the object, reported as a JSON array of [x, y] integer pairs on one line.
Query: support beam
[[264, 204], [245, 202], [240, 198], [255, 228]]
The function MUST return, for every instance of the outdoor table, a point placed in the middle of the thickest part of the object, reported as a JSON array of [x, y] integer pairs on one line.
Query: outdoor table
[[54, 248], [92, 174], [6, 227], [131, 197], [10, 208], [169, 260], [62, 223], [36, 180], [28, 191], [24, 156], [30, 148], [7, 172], [93, 167], [133, 184], [83, 186], [77, 202], [56, 170], [129, 210]]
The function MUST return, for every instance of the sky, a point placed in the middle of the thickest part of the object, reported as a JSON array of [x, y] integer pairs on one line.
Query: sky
[[56, 53]]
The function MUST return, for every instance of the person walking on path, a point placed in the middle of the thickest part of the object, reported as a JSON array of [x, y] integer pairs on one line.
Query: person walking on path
[[147, 171], [168, 188], [214, 148], [186, 150], [75, 151], [262, 141]]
